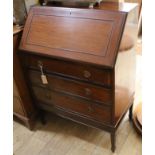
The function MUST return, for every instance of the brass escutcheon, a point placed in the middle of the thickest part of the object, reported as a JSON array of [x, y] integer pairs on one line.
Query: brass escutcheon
[[88, 91]]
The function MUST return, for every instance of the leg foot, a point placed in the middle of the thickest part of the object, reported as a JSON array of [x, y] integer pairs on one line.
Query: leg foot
[[42, 117], [130, 112], [29, 124], [113, 141]]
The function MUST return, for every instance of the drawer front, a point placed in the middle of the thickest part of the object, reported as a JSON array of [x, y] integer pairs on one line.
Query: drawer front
[[70, 69], [96, 93], [76, 105]]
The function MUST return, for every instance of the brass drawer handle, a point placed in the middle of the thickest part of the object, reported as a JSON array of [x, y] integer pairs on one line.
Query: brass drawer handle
[[87, 74], [88, 91]]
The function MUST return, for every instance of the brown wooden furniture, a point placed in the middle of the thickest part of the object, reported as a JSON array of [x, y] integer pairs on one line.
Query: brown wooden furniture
[[72, 62], [23, 108]]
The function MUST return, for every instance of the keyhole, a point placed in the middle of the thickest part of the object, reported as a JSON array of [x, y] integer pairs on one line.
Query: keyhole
[[70, 12]]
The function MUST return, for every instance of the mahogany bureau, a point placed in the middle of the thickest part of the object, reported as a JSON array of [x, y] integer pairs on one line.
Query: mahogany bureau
[[80, 63]]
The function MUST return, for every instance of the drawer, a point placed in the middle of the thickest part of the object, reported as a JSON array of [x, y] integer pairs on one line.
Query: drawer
[[86, 90], [70, 69], [70, 103]]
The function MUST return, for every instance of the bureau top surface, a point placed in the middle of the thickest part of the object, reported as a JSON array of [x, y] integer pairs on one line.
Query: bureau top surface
[[84, 35]]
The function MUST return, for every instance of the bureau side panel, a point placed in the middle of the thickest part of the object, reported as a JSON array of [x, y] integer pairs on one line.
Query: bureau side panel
[[125, 67], [26, 102]]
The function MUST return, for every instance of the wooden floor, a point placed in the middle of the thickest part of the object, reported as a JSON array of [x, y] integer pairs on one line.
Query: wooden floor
[[64, 137]]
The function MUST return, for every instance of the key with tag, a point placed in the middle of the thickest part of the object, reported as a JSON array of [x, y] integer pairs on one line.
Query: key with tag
[[43, 76], [44, 79]]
